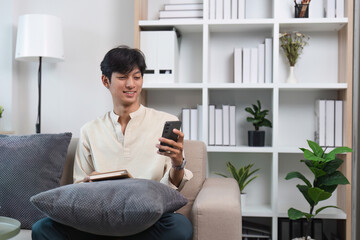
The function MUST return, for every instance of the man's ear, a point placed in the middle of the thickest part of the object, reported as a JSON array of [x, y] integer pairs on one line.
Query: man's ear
[[105, 80]]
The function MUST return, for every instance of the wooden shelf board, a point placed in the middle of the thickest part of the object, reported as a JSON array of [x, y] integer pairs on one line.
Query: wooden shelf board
[[311, 86]]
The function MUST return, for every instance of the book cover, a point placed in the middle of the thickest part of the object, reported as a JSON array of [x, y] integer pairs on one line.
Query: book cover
[[253, 65], [234, 9], [212, 9], [226, 125], [227, 9], [320, 122], [189, 6], [232, 117], [246, 65], [120, 174], [194, 124], [200, 121], [212, 125], [330, 123], [329, 8], [241, 9], [268, 60], [185, 118], [338, 123], [219, 6], [181, 14], [261, 65], [340, 7], [218, 126], [237, 65]]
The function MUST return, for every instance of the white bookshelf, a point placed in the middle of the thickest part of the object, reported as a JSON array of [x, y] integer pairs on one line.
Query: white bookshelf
[[206, 78]]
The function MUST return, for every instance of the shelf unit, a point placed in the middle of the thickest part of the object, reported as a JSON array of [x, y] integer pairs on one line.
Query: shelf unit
[[206, 77]]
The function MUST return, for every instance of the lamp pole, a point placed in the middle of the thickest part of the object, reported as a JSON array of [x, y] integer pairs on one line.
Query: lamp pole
[[38, 122]]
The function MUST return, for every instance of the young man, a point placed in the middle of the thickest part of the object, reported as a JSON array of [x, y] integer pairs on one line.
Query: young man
[[127, 138]]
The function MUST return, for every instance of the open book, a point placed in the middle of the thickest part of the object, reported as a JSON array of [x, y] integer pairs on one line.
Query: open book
[[110, 175]]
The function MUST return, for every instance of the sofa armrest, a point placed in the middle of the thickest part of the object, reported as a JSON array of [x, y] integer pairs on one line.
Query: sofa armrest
[[216, 213]]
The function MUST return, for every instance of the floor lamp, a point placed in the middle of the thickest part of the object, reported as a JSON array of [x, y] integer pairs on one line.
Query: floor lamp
[[39, 38]]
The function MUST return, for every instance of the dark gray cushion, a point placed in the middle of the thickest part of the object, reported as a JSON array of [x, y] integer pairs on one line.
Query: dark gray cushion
[[29, 165], [113, 208]]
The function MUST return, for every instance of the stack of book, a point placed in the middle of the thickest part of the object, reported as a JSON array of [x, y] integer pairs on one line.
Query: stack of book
[[182, 10], [254, 65], [329, 123], [222, 129], [227, 9], [334, 8], [192, 123]]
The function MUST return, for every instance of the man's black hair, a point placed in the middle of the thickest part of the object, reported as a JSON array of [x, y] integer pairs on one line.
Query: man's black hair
[[122, 59]]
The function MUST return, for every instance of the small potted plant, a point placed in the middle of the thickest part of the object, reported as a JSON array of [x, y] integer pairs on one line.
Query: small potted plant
[[257, 138], [326, 179], [242, 176], [1, 111]]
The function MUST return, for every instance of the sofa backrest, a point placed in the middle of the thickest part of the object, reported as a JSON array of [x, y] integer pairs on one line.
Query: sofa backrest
[[196, 157]]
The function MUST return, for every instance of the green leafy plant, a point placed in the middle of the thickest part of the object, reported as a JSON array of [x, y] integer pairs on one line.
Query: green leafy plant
[[258, 119], [292, 44], [1, 111], [326, 179], [241, 175]]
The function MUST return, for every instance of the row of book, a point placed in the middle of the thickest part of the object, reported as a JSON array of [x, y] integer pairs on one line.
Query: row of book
[[192, 123], [254, 65], [334, 8], [222, 128], [329, 123], [227, 9], [182, 10]]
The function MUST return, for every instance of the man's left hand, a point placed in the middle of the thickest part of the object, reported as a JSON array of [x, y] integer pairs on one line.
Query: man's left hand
[[175, 152]]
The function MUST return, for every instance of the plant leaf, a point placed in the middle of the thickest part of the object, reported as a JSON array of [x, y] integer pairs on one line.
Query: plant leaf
[[317, 172], [221, 174], [233, 171], [249, 181], [331, 155], [320, 209], [333, 179], [249, 110], [310, 156], [317, 195], [332, 166], [318, 151], [292, 175], [295, 214], [304, 190]]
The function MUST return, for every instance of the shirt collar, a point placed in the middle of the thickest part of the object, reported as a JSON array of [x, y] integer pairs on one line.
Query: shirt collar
[[136, 114]]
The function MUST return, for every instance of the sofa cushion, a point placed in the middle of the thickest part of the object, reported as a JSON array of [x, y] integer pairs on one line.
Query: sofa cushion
[[29, 165], [113, 208]]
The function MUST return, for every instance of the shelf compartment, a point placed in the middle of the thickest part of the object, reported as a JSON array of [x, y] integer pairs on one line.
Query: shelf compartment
[[240, 149]]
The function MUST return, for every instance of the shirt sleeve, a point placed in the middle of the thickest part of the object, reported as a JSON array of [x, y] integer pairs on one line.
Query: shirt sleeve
[[83, 165], [166, 178]]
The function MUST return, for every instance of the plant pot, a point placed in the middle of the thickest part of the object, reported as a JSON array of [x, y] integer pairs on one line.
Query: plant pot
[[256, 138], [302, 11], [243, 201], [291, 78]]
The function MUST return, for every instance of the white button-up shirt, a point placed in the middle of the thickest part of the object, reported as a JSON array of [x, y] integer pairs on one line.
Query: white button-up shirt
[[103, 147]]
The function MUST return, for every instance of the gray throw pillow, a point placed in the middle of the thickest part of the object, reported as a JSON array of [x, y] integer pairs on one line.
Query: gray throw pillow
[[29, 165], [112, 208]]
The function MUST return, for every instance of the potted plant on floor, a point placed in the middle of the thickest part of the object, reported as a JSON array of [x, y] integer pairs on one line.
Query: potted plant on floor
[[326, 179], [242, 176], [257, 138]]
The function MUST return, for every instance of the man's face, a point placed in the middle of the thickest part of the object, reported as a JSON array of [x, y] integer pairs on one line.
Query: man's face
[[125, 89]]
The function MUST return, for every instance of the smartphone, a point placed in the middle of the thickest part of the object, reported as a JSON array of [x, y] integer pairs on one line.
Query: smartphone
[[168, 132]]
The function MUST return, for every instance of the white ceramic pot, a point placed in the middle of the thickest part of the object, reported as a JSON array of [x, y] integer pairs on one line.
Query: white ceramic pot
[[292, 78], [243, 201]]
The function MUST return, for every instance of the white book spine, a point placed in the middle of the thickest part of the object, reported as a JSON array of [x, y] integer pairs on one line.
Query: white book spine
[[330, 123], [268, 59], [320, 122], [185, 118], [218, 127], [261, 66], [238, 65], [212, 125], [338, 123], [193, 124], [212, 9], [340, 7], [246, 65], [241, 9], [232, 126], [329, 8], [226, 125], [200, 121], [219, 9], [227, 9], [234, 9], [253, 65]]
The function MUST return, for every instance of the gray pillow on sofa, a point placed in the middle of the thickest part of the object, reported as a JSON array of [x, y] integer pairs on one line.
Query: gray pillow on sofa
[[29, 165], [113, 208]]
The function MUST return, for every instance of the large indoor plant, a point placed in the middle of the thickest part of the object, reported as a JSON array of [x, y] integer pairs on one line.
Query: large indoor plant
[[242, 176], [292, 45], [326, 179], [258, 119]]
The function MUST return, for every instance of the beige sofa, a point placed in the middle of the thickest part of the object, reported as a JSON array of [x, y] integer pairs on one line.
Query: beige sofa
[[214, 203]]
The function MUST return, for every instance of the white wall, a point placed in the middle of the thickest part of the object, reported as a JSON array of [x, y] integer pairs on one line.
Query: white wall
[[72, 92]]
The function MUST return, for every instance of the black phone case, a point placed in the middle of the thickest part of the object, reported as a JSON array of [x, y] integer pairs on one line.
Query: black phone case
[[168, 131]]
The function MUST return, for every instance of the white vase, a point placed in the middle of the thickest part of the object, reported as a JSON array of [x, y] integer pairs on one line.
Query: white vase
[[291, 78], [243, 201]]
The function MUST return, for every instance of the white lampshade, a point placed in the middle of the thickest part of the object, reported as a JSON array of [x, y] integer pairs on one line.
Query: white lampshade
[[39, 36]]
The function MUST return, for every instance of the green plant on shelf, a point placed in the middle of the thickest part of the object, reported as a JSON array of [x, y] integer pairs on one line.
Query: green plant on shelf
[[1, 111], [326, 179], [259, 116], [292, 44], [241, 175]]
